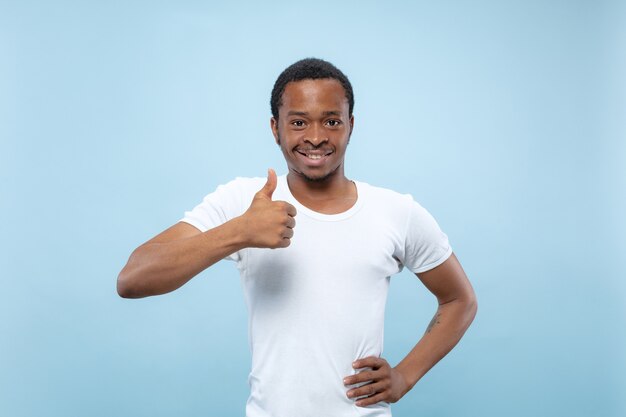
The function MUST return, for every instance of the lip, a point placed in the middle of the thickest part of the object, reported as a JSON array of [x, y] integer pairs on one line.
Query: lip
[[323, 156]]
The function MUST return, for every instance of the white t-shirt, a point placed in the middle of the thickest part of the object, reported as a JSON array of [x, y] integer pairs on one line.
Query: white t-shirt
[[318, 305]]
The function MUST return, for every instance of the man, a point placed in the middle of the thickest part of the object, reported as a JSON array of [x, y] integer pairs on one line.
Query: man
[[316, 302]]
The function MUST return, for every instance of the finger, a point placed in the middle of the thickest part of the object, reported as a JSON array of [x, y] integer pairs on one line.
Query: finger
[[270, 186], [291, 210], [291, 222], [372, 400], [288, 233], [367, 390], [370, 361], [363, 376], [285, 242]]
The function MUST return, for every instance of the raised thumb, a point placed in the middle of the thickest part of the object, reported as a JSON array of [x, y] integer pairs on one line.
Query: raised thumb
[[270, 185]]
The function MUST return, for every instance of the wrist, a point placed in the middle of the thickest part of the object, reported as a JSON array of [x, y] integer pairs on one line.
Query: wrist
[[240, 232], [410, 378]]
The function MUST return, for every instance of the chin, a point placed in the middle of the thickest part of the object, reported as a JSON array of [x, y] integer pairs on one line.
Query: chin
[[316, 179], [309, 177]]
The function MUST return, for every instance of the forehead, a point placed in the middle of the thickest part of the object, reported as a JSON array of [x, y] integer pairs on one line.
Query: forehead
[[326, 93]]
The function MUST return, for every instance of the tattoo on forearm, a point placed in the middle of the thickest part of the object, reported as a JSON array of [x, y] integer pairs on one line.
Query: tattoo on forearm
[[433, 322]]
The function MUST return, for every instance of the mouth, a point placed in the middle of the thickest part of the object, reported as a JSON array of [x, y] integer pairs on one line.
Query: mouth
[[314, 154]]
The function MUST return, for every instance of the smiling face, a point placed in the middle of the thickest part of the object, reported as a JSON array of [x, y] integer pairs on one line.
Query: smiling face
[[313, 129]]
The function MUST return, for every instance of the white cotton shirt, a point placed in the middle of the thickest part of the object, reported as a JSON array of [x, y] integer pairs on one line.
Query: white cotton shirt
[[318, 305]]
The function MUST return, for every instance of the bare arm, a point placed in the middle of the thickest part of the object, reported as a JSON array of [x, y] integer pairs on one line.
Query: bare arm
[[456, 311], [173, 257], [170, 259]]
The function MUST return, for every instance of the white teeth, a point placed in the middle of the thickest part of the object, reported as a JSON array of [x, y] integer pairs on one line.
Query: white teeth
[[314, 156]]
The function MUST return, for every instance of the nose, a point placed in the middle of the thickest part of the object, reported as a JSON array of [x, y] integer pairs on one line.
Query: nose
[[316, 135]]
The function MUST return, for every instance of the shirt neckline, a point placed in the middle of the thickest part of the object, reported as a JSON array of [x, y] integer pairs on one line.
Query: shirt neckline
[[302, 209]]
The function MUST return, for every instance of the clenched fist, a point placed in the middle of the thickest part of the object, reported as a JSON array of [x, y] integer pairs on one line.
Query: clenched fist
[[267, 223]]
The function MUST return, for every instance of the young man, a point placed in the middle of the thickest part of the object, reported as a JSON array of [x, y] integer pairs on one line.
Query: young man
[[316, 302]]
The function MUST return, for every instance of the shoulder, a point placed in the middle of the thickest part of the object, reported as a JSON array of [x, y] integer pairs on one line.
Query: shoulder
[[386, 198], [386, 208], [244, 183], [401, 207], [239, 187], [236, 192]]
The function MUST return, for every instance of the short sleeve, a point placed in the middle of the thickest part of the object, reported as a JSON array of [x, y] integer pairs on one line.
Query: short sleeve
[[425, 245], [218, 207]]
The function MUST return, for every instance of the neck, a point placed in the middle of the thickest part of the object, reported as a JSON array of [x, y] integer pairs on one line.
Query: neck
[[335, 185]]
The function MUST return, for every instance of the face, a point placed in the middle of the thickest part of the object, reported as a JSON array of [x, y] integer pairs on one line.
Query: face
[[313, 128]]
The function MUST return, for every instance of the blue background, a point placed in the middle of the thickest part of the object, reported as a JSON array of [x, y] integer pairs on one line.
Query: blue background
[[506, 120]]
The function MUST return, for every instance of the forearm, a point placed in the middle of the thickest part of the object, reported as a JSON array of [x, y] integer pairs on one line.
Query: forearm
[[444, 332], [161, 267]]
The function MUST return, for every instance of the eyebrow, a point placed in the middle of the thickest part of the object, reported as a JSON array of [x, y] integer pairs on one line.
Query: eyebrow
[[303, 113]]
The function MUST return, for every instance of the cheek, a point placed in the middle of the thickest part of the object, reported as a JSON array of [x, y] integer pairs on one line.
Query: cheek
[[288, 140]]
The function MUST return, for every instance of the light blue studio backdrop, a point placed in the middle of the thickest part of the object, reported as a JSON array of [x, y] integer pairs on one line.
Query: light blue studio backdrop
[[504, 119]]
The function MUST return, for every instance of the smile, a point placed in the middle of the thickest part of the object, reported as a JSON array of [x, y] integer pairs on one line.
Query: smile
[[315, 155]]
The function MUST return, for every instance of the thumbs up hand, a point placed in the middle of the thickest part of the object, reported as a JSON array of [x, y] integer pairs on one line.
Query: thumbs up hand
[[269, 187], [267, 223]]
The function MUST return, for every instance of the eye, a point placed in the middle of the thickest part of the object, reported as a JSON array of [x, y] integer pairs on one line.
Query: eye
[[298, 123], [333, 123]]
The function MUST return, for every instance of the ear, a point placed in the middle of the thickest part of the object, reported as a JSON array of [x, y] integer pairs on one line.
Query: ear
[[351, 127], [274, 127]]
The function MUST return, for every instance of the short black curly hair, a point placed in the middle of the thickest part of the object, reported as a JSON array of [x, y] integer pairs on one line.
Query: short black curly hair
[[309, 69]]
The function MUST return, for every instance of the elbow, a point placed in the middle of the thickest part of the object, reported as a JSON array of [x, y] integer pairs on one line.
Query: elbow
[[126, 286], [471, 307], [123, 288], [130, 281]]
